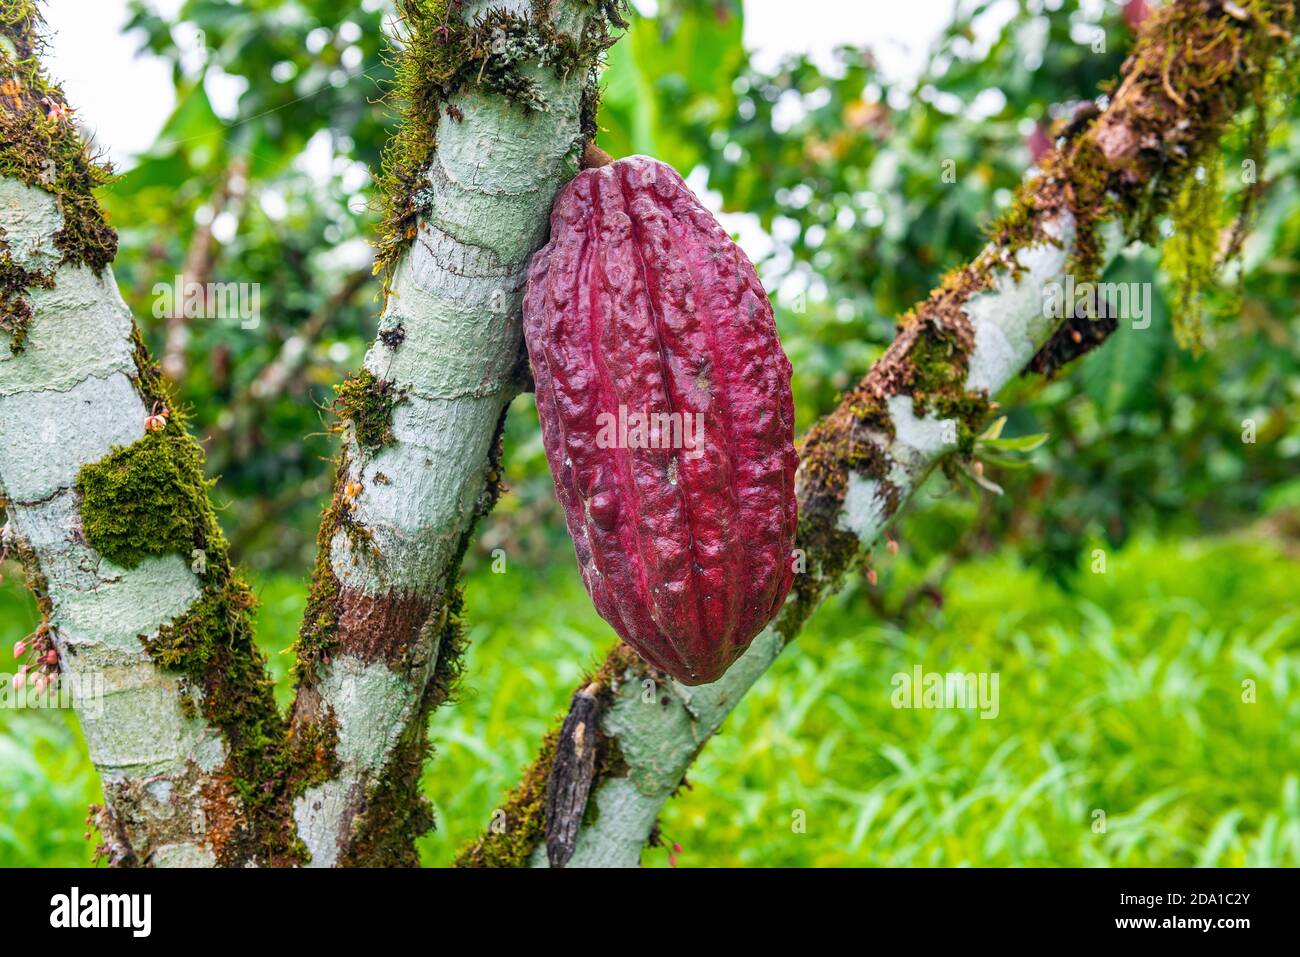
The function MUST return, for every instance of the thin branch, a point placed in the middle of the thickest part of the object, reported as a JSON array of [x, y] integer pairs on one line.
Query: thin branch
[[200, 260]]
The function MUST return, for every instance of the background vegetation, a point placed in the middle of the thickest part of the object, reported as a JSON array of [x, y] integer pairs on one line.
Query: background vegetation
[[1120, 692]]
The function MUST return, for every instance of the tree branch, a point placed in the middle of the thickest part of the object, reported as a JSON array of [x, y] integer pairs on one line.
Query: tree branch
[[500, 99], [923, 402], [200, 260], [144, 619]]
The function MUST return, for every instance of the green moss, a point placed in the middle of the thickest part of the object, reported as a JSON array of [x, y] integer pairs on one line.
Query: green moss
[[320, 619], [40, 145], [440, 55], [145, 499], [1195, 61], [519, 826], [15, 309], [1190, 256], [444, 686], [830, 552], [1210, 68], [850, 441], [312, 758], [940, 361], [366, 402], [316, 637], [151, 497], [267, 765]]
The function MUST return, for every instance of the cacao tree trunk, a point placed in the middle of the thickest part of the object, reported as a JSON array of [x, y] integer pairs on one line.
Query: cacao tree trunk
[[382, 643], [149, 626]]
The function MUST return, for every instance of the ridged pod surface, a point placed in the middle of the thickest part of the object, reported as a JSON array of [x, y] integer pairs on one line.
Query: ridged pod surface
[[684, 520]]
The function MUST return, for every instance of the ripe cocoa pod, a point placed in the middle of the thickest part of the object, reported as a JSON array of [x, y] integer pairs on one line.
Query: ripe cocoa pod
[[664, 398]]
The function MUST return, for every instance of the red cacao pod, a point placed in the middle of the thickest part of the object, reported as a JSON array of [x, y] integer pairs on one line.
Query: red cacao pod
[[664, 398]]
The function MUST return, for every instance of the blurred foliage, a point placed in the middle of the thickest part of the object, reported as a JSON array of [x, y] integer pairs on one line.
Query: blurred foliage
[[669, 82], [278, 109], [1124, 696]]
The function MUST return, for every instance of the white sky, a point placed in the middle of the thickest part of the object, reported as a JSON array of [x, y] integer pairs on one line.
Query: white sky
[[126, 100], [898, 31]]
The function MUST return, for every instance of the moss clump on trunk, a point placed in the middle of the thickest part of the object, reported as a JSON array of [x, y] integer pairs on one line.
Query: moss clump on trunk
[[145, 499], [441, 54], [366, 403]]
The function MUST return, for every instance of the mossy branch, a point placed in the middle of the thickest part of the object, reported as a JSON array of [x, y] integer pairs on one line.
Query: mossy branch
[[439, 54], [494, 103], [41, 147]]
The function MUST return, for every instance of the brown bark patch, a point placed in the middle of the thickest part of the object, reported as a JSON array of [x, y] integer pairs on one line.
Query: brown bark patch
[[1079, 336], [223, 814], [383, 627], [569, 784]]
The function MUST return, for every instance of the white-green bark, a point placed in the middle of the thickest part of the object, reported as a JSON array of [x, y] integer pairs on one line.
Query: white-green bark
[[69, 399], [456, 295], [66, 401]]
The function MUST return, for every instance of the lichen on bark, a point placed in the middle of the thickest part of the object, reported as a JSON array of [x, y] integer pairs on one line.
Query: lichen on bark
[[441, 53]]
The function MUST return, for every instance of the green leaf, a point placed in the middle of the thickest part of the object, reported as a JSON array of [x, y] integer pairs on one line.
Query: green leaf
[[1019, 443], [1119, 375], [994, 430], [668, 81]]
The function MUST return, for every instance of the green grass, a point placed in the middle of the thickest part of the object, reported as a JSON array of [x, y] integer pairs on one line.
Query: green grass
[[1123, 697]]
